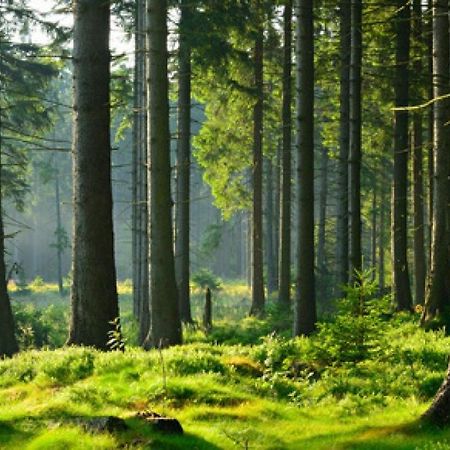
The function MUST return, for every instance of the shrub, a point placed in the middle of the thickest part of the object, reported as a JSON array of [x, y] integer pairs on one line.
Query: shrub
[[357, 331], [204, 278], [68, 367]]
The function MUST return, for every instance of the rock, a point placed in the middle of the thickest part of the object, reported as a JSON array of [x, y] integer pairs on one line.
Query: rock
[[109, 424], [168, 425]]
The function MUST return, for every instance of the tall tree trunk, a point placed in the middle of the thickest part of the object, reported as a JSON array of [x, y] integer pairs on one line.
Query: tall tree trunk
[[94, 301], [59, 231], [277, 213], [305, 305], [258, 301], [374, 229], [141, 300], [342, 223], [402, 289], [417, 162], [270, 256], [8, 343], [437, 292], [430, 125], [323, 196], [355, 139], [382, 239], [165, 326], [183, 165], [284, 292]]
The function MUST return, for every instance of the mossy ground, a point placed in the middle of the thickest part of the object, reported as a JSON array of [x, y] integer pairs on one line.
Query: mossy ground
[[272, 393]]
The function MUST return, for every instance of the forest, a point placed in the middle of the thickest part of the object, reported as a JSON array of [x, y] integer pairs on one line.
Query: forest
[[225, 224]]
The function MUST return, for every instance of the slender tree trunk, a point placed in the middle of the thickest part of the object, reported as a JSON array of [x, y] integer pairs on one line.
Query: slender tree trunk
[[305, 306], [323, 195], [355, 139], [382, 239], [140, 244], [8, 343], [165, 327], [59, 230], [342, 223], [271, 263], [284, 294], [430, 126], [183, 166], [94, 301], [437, 292], [417, 162], [402, 289], [257, 307], [277, 214]]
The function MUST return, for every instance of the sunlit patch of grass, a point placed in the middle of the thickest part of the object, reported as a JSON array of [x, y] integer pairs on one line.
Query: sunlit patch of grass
[[63, 438]]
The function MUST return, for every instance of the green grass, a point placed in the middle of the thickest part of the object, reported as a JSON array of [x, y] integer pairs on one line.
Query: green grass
[[229, 389]]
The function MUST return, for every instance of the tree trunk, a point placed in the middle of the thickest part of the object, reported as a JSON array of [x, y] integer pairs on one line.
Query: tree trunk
[[207, 314], [374, 229], [417, 162], [355, 139], [401, 286], [94, 301], [284, 293], [141, 301], [183, 166], [270, 255], [305, 307], [430, 126], [165, 326], [8, 343], [257, 307], [342, 222], [439, 411], [382, 239], [59, 231], [323, 195], [437, 292]]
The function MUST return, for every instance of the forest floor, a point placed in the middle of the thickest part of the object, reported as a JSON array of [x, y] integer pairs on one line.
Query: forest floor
[[236, 388]]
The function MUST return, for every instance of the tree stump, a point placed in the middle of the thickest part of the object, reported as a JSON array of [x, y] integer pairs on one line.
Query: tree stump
[[207, 314]]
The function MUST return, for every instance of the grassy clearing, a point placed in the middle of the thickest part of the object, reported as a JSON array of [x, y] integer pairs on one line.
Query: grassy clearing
[[233, 388]]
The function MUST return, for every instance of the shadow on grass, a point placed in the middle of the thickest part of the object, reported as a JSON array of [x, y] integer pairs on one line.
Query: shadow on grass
[[10, 433], [411, 436]]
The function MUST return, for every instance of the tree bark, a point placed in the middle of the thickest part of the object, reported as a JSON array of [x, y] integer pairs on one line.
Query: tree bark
[[355, 140], [342, 222], [305, 305], [183, 165], [323, 195], [141, 301], [401, 285], [94, 301], [270, 255], [284, 294], [437, 295], [59, 230], [8, 343], [417, 163], [165, 323], [258, 301]]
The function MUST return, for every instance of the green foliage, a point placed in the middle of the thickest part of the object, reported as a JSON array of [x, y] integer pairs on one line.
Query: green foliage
[[116, 340], [357, 330], [40, 327], [68, 368], [204, 278], [195, 361]]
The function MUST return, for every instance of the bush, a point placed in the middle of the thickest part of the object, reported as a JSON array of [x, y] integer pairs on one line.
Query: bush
[[68, 367], [357, 331], [204, 278]]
